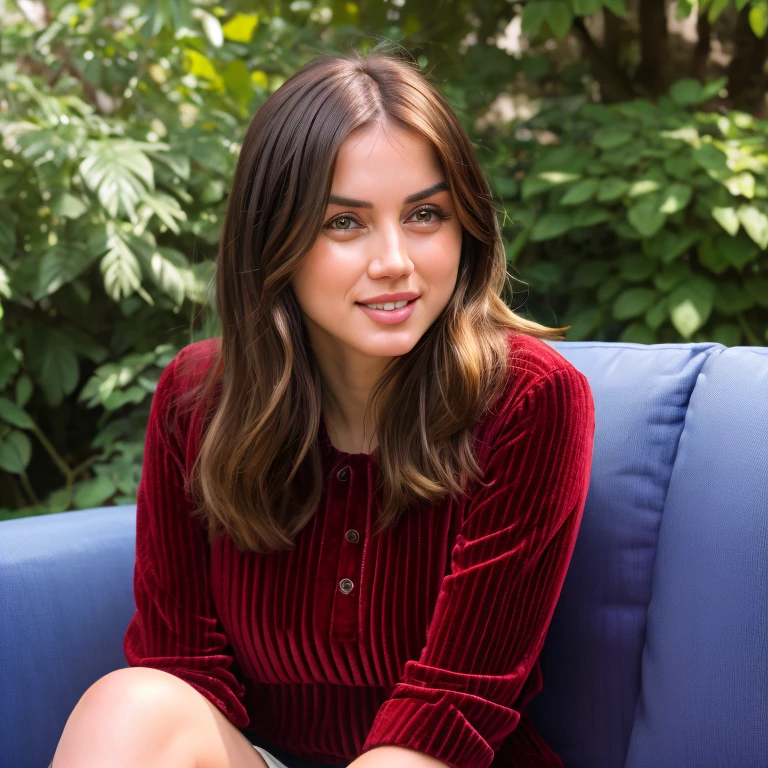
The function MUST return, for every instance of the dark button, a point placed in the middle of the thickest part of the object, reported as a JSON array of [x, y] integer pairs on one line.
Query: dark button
[[343, 474], [346, 586], [353, 536]]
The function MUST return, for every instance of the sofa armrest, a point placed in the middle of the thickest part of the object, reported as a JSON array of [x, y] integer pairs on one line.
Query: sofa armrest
[[65, 602]]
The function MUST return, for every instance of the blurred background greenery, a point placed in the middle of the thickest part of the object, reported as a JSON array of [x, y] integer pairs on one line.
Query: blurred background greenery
[[626, 143]]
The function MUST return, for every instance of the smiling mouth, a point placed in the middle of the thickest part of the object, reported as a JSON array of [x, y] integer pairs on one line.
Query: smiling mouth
[[410, 301]]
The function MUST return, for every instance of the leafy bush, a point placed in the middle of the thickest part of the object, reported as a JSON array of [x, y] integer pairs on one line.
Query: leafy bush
[[647, 222]]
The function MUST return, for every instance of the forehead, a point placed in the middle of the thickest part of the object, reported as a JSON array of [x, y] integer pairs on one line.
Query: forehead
[[372, 154]]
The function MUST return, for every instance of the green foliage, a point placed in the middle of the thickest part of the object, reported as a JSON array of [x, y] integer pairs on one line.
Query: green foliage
[[643, 222], [121, 126], [556, 17]]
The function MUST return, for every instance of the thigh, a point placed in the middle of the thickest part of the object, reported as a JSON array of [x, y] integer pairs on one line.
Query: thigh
[[144, 715]]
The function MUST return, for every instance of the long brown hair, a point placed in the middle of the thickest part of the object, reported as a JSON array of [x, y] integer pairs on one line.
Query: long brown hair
[[260, 444]]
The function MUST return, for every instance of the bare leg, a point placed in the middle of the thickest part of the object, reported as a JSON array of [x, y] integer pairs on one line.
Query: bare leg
[[142, 717]]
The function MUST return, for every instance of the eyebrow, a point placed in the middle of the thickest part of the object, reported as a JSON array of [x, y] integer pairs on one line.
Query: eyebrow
[[350, 202]]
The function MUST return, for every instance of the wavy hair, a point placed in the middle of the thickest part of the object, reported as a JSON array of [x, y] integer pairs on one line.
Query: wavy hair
[[258, 474]]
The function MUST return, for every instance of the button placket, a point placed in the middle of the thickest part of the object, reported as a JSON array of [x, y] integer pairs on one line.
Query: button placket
[[346, 602]]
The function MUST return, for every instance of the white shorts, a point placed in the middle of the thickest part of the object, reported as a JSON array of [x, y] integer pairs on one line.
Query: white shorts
[[269, 759]]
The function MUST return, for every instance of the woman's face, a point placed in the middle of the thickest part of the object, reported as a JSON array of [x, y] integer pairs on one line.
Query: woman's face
[[376, 241]]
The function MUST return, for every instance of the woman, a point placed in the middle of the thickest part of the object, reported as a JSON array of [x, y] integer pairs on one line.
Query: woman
[[353, 523]]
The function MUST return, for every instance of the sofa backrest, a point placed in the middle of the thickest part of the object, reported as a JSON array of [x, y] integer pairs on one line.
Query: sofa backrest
[[658, 650], [657, 654]]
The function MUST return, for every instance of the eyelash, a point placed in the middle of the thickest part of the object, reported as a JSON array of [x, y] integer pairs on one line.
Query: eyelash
[[433, 208]]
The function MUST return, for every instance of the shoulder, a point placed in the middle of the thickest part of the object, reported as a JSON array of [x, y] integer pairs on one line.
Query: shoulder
[[538, 377], [175, 405], [193, 362], [531, 359]]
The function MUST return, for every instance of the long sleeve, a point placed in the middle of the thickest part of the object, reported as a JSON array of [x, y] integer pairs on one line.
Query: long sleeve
[[175, 627], [508, 564]]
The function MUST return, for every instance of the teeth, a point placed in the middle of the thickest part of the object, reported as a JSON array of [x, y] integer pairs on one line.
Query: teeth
[[388, 306]]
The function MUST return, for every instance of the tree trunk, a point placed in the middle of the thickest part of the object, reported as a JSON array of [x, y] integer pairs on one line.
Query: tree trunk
[[703, 47], [614, 84], [652, 74], [746, 80]]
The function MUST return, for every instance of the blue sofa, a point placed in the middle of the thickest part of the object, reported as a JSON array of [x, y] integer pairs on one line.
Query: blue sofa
[[657, 656]]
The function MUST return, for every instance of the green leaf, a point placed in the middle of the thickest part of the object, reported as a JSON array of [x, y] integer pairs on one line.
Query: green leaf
[[738, 251], [668, 246], [712, 159], [240, 27], [170, 269], [755, 223], [644, 186], [684, 9], [68, 206], [712, 257], [619, 7], [589, 216], [534, 14], [727, 218], [591, 273], [59, 266], [675, 198], [120, 268], [94, 492], [637, 333], [633, 302], [680, 166], [730, 299], [10, 413], [543, 274], [59, 371], [550, 225], [517, 245], [15, 452], [610, 137], [727, 334], [758, 19], [657, 314], [612, 188], [8, 219], [686, 92], [636, 267], [119, 172], [583, 323], [691, 304], [559, 17], [741, 184], [757, 288], [715, 9], [646, 217], [585, 7], [671, 275], [535, 184], [165, 207], [608, 289], [580, 192], [238, 81]]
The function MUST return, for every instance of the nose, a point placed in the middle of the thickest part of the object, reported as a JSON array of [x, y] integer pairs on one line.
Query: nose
[[391, 255]]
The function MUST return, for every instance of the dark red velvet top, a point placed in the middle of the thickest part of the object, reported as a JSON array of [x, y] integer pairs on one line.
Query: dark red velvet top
[[427, 636]]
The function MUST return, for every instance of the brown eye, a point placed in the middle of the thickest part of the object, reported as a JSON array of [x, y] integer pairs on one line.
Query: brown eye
[[344, 220]]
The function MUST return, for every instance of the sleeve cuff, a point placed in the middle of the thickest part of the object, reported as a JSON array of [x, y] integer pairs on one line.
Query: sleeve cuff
[[437, 729]]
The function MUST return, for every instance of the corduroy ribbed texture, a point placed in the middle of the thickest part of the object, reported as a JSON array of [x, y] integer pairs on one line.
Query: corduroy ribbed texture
[[435, 647]]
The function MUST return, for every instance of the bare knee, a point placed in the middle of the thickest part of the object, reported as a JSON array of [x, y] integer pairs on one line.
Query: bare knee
[[143, 716], [130, 716]]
